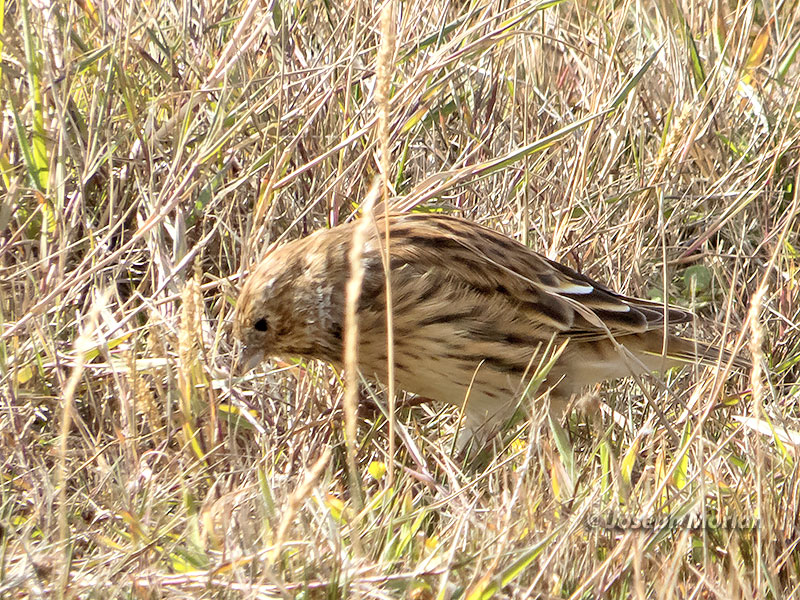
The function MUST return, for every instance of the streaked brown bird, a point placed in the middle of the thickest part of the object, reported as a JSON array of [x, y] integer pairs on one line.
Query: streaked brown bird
[[473, 311]]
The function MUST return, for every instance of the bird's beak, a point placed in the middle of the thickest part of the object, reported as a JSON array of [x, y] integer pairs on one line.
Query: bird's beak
[[248, 359]]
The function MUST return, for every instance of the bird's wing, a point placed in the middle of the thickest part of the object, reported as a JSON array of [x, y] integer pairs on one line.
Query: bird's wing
[[551, 293]]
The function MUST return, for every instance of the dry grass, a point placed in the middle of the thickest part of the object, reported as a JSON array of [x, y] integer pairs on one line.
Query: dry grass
[[151, 151]]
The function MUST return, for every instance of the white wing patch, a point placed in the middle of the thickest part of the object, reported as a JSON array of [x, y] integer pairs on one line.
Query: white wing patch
[[575, 288]]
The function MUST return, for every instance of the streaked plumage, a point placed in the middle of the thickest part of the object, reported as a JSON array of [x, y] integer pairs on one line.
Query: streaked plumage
[[470, 305]]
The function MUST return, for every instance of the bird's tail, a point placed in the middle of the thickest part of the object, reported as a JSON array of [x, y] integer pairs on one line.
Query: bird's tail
[[689, 351]]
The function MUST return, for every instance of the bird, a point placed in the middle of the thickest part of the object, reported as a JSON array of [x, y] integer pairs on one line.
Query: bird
[[475, 314]]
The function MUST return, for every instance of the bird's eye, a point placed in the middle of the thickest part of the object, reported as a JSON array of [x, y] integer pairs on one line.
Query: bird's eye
[[260, 325]]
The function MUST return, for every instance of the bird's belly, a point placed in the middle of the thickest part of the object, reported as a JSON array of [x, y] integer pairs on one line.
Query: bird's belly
[[488, 397]]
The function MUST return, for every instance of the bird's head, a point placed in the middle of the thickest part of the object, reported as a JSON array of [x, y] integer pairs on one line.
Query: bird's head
[[285, 307]]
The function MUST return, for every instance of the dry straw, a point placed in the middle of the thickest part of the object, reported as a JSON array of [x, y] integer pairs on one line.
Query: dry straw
[[384, 77], [296, 499], [265, 120], [82, 347], [352, 295]]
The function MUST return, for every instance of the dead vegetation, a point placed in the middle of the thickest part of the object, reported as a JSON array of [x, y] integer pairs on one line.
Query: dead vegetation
[[151, 151]]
